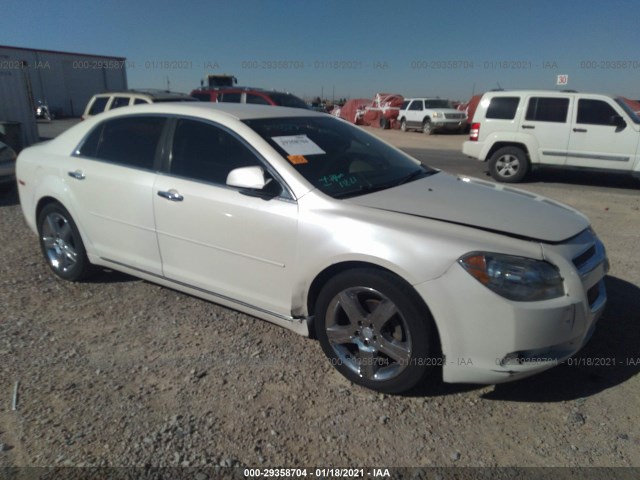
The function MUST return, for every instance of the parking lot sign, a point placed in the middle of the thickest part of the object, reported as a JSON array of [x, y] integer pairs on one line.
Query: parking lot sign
[[562, 80]]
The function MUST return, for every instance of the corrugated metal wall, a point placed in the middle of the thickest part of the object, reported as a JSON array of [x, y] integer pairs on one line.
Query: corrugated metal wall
[[15, 105], [68, 80]]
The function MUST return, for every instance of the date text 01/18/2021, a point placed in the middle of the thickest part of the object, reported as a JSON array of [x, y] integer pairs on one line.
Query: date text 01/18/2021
[[323, 472]]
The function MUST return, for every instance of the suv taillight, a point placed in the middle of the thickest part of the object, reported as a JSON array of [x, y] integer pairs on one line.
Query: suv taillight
[[474, 132]]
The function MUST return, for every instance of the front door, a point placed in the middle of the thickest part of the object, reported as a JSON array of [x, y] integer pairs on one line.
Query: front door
[[216, 238]]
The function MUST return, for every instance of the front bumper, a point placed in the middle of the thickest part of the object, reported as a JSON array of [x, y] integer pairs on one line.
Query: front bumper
[[488, 339]]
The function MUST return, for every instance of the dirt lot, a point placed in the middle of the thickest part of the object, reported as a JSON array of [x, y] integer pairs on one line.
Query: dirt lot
[[120, 372]]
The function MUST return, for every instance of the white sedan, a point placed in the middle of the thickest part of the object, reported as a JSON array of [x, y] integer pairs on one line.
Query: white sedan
[[309, 222]]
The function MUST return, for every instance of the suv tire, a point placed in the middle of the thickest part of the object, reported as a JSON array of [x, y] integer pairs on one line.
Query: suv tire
[[509, 165], [427, 128]]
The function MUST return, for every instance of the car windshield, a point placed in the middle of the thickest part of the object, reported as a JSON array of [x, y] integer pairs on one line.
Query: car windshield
[[338, 158], [625, 106], [437, 104], [286, 100]]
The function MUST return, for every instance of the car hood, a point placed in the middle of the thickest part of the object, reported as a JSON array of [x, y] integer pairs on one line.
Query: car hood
[[480, 204]]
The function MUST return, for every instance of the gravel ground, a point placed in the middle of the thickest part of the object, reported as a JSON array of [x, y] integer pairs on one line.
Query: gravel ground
[[121, 372]]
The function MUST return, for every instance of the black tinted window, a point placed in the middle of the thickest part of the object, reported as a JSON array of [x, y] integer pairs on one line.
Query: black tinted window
[[257, 99], [595, 112], [98, 105], [231, 97], [139, 101], [120, 102], [503, 108], [202, 151], [416, 105], [130, 141], [203, 97], [548, 109]]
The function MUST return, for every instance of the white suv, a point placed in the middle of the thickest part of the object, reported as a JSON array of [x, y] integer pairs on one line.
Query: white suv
[[515, 130], [430, 115]]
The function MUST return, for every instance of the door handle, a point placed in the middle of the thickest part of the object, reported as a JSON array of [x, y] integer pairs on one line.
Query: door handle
[[78, 175], [172, 195], [531, 127], [579, 129]]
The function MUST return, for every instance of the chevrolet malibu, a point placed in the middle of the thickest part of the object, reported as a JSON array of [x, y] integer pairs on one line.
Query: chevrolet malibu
[[311, 223]]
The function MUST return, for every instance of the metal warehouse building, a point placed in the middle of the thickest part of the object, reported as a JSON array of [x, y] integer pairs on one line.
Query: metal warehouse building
[[66, 81]]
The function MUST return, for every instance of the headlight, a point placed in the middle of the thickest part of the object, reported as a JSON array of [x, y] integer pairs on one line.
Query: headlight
[[436, 114], [515, 278]]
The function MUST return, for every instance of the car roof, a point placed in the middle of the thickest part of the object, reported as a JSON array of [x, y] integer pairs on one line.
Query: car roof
[[238, 111]]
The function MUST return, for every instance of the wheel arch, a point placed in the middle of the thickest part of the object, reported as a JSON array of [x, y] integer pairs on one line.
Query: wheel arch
[[331, 271], [498, 145]]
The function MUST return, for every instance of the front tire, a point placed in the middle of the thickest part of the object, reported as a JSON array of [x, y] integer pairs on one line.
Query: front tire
[[509, 165], [375, 330], [61, 244], [427, 128]]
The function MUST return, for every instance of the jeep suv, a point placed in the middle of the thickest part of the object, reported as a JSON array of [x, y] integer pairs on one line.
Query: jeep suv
[[430, 115], [516, 130], [256, 96], [103, 102]]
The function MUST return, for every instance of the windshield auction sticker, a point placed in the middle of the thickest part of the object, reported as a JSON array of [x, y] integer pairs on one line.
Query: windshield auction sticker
[[298, 145]]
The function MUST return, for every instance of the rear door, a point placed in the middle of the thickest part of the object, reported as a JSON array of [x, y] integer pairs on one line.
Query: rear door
[[111, 177], [548, 120], [596, 142]]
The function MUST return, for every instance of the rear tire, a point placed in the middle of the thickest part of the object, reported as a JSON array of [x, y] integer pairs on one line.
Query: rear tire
[[509, 165], [375, 330], [384, 123], [403, 125], [62, 245]]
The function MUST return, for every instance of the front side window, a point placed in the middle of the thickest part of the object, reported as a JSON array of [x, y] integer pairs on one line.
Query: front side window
[[130, 141], [547, 109], [204, 152], [595, 112], [337, 158], [503, 108], [98, 105]]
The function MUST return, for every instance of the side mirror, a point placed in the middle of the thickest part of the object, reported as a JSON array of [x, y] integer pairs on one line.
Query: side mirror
[[618, 122], [247, 177], [253, 182]]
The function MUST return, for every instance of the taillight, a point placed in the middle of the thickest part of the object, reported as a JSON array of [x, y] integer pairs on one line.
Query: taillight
[[474, 132]]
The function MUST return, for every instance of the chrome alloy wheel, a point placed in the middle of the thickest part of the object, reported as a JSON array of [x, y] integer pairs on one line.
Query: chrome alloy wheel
[[368, 333], [508, 165], [59, 243]]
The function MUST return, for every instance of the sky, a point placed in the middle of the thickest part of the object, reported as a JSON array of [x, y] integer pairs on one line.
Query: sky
[[349, 48]]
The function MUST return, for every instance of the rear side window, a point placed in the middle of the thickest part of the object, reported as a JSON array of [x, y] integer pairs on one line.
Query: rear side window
[[543, 109], [503, 108], [98, 105], [416, 105], [130, 141], [120, 102], [207, 153], [139, 101], [595, 112]]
